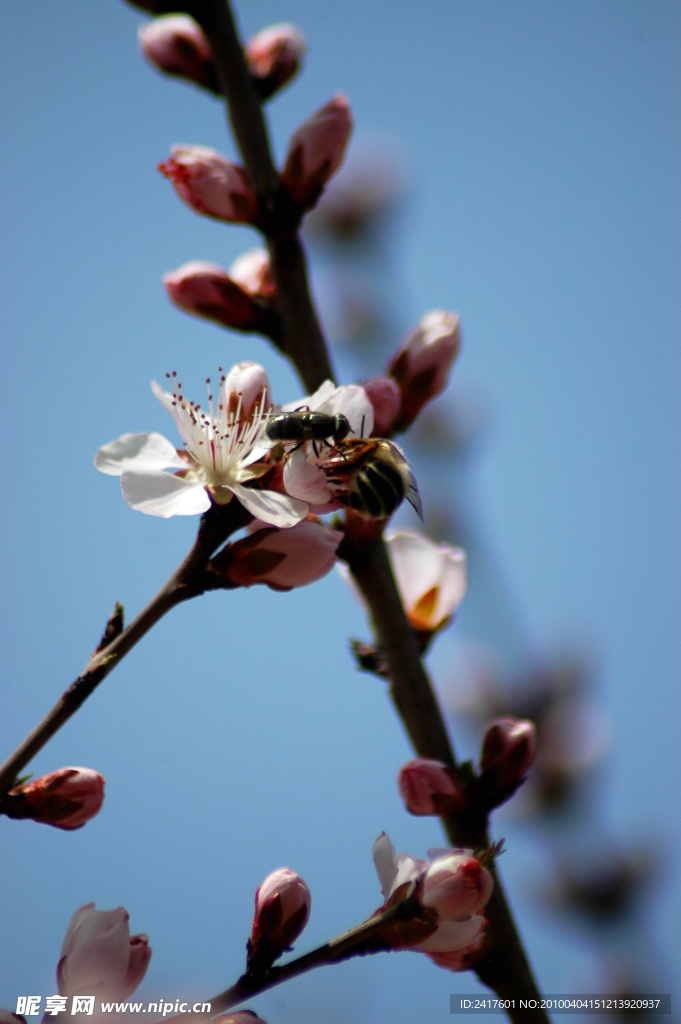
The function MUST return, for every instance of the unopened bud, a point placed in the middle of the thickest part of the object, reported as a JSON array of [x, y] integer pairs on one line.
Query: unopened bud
[[253, 271], [67, 798], [211, 184], [508, 749], [208, 291], [282, 559], [456, 886], [274, 57], [430, 787], [99, 954], [421, 365], [282, 907], [316, 151], [176, 45], [248, 390], [385, 397]]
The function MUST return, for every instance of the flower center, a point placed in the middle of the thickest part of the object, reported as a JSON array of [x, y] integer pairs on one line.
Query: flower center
[[219, 440]]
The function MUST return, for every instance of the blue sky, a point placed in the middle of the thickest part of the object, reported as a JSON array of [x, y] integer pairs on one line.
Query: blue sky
[[540, 146]]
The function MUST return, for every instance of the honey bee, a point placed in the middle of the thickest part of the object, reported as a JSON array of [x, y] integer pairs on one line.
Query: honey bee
[[372, 476], [303, 425]]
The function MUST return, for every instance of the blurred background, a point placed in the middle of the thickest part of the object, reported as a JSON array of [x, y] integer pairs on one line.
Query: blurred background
[[517, 163]]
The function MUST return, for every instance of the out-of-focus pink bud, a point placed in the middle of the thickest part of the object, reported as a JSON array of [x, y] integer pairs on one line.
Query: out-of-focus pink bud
[[100, 956], [456, 886], [274, 57], [316, 150], [206, 290], [248, 390], [430, 787], [385, 397], [211, 184], [7, 1017], [253, 271], [282, 907], [176, 45], [431, 579], [421, 364], [67, 798], [508, 750], [283, 559]]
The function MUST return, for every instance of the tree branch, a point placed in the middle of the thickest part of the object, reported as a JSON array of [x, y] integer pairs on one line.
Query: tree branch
[[216, 525], [303, 341]]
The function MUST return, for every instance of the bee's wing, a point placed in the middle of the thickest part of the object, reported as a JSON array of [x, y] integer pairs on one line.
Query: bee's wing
[[412, 490], [413, 496]]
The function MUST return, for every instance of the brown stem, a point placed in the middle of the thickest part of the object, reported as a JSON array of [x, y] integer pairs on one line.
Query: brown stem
[[186, 582], [364, 939], [505, 968], [304, 341]]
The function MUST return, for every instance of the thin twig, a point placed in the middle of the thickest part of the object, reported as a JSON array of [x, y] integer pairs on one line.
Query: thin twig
[[362, 940], [186, 582]]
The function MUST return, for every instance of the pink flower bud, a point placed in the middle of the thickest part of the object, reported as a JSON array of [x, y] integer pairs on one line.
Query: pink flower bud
[[316, 150], [456, 886], [385, 397], [431, 579], [100, 956], [176, 45], [206, 290], [210, 184], [421, 364], [253, 271], [67, 798], [508, 750], [248, 390], [274, 56], [282, 907], [7, 1017], [430, 787], [283, 559]]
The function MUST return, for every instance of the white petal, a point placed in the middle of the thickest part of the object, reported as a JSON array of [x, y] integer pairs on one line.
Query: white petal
[[305, 480], [164, 397], [137, 452], [408, 868], [453, 935], [415, 563], [454, 580], [385, 863], [271, 506], [323, 392], [165, 495]]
